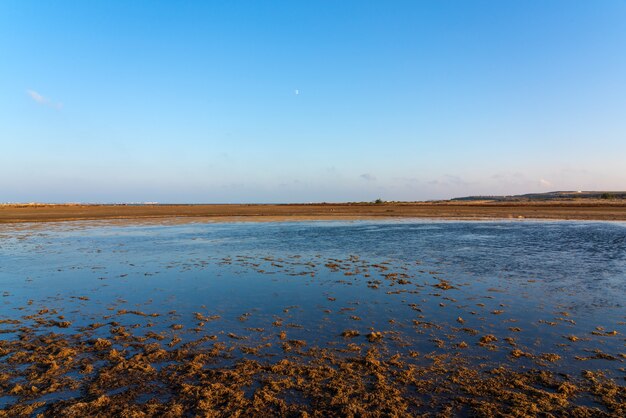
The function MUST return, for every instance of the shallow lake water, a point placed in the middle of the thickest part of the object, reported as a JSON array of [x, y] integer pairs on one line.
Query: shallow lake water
[[551, 294]]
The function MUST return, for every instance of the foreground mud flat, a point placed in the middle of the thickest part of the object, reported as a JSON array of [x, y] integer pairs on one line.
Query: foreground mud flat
[[309, 319]]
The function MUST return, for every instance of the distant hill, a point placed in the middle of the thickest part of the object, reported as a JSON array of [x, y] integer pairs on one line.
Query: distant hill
[[561, 195]]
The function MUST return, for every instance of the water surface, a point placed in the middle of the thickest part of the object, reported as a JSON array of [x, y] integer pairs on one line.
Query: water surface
[[543, 288]]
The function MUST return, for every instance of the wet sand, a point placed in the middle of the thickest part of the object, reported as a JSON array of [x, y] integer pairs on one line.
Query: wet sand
[[567, 210]]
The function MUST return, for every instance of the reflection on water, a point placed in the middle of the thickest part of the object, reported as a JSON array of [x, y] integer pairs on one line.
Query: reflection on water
[[541, 288]]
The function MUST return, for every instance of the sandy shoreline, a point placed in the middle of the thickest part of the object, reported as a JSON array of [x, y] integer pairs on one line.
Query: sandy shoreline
[[563, 210]]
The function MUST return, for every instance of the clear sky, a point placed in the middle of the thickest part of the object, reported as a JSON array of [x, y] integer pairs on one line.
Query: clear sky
[[283, 101]]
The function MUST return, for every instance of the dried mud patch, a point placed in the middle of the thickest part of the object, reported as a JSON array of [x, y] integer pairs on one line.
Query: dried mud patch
[[74, 376]]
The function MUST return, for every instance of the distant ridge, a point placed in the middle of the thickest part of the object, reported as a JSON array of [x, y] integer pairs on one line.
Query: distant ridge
[[559, 195]]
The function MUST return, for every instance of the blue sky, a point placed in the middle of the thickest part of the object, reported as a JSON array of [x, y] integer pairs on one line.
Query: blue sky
[[298, 101]]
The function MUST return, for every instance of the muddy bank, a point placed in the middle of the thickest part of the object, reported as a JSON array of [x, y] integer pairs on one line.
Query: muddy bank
[[126, 375], [580, 210]]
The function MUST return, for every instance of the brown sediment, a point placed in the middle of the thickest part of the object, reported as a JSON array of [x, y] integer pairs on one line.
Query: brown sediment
[[146, 379], [551, 357], [519, 353], [569, 209], [487, 339], [374, 336]]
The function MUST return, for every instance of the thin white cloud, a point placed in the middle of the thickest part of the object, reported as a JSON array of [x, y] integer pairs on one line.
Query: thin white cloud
[[545, 183], [449, 180], [36, 96], [43, 100]]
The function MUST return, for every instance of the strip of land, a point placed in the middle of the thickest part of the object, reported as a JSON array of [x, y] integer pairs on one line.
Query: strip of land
[[566, 210]]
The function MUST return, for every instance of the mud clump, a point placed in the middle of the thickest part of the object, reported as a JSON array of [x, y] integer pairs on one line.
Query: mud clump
[[487, 339], [551, 357], [443, 285], [102, 344], [374, 336], [516, 353]]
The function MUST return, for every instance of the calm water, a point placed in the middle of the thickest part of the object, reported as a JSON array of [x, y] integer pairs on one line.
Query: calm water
[[550, 280]]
